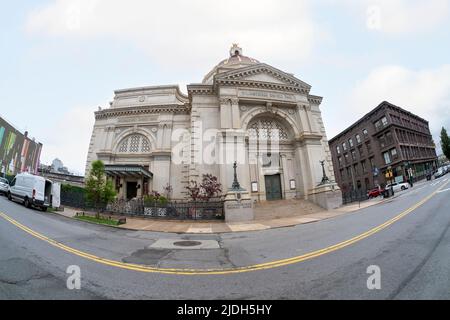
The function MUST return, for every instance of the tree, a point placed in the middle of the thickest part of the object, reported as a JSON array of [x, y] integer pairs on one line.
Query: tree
[[99, 190], [194, 191], [209, 188], [445, 143]]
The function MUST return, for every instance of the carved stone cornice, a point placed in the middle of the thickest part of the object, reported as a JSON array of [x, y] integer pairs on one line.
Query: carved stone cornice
[[261, 85], [315, 99], [237, 78], [142, 110], [308, 137], [200, 89]]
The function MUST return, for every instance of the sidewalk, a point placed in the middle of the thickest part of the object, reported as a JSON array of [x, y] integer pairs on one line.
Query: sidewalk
[[208, 227]]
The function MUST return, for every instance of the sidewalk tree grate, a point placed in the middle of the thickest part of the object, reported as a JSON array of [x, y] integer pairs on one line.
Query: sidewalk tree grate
[[187, 243]]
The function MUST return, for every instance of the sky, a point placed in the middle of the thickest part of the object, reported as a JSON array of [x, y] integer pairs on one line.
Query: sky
[[62, 59]]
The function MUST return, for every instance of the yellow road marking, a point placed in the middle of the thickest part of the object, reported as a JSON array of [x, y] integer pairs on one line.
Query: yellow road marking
[[262, 266]]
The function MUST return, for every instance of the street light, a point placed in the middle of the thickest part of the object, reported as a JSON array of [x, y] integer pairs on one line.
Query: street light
[[325, 179]]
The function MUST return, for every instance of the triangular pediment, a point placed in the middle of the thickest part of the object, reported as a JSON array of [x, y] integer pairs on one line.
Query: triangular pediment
[[262, 73]]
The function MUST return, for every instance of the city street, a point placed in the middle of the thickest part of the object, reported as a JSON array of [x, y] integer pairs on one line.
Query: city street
[[407, 237]]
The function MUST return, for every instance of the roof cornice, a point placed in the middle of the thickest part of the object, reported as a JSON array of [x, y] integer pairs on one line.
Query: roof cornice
[[203, 89], [383, 104], [140, 110], [316, 100], [238, 74]]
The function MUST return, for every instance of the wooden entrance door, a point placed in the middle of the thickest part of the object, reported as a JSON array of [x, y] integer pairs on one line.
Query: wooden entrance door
[[273, 187]]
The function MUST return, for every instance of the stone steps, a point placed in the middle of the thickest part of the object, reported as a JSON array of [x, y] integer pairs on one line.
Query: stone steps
[[284, 208]]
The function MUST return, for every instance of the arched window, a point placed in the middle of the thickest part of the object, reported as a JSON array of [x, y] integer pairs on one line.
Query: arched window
[[267, 129], [136, 143]]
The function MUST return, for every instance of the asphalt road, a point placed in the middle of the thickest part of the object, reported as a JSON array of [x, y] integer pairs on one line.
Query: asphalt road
[[413, 254]]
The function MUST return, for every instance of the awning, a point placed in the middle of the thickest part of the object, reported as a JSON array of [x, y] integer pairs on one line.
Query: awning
[[135, 171]]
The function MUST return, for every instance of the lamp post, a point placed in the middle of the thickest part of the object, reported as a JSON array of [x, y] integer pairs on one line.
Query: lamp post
[[325, 179], [235, 186]]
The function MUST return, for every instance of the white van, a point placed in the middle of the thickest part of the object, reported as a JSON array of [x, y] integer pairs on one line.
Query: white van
[[31, 191]]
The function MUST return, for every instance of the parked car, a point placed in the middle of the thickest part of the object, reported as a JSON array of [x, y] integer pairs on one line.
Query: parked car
[[440, 172], [447, 168], [31, 190], [398, 186], [4, 186], [374, 193]]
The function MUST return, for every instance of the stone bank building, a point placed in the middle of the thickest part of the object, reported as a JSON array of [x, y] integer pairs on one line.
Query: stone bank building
[[151, 137]]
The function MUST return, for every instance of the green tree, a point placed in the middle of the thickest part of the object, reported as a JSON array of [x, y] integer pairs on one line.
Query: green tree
[[99, 190], [445, 143]]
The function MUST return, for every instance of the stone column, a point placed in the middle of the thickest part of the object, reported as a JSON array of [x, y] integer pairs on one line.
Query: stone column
[[236, 114], [304, 118], [327, 195], [226, 113], [161, 170]]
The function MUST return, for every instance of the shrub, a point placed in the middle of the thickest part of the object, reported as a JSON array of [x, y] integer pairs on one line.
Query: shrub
[[155, 198]]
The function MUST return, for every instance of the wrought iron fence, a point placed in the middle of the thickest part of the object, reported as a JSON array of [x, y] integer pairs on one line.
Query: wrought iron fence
[[73, 197], [182, 210], [354, 196]]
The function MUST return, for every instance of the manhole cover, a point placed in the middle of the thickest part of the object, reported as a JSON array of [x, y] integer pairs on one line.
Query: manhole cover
[[187, 243]]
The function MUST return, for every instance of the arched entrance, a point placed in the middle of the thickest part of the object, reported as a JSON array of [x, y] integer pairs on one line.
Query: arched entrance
[[270, 153]]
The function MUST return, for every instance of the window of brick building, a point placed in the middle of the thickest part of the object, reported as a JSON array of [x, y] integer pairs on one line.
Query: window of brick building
[[372, 163], [356, 168], [365, 133], [394, 154], [382, 141], [387, 157], [350, 142], [389, 138], [361, 151]]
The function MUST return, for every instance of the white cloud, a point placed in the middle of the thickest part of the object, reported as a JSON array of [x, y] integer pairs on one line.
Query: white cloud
[[399, 17], [68, 138], [183, 33], [423, 92]]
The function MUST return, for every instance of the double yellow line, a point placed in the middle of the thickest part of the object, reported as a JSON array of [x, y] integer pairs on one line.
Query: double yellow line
[[263, 266]]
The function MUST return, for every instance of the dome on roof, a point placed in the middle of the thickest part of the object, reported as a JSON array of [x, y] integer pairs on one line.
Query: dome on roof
[[235, 61]]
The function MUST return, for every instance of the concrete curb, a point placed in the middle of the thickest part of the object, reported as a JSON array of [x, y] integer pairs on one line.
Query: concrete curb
[[244, 225]]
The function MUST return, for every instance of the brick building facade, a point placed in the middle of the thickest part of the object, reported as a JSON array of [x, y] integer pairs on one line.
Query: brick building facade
[[387, 138]]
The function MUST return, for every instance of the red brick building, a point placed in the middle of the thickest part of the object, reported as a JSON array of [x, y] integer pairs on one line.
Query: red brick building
[[388, 138]]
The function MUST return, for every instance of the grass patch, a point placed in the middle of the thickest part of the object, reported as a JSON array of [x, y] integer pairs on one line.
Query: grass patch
[[105, 221]]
